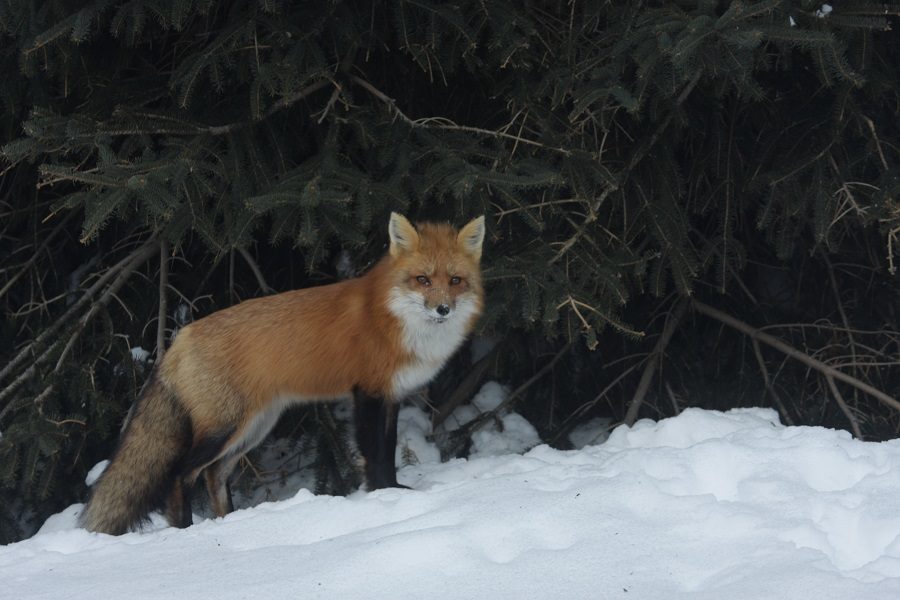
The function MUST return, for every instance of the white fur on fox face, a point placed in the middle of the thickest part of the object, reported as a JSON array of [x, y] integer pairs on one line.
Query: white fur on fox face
[[429, 340]]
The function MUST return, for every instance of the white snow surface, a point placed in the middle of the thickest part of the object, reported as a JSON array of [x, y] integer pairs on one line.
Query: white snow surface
[[705, 505]]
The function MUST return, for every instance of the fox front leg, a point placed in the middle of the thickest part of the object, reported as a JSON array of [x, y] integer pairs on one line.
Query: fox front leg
[[376, 434]]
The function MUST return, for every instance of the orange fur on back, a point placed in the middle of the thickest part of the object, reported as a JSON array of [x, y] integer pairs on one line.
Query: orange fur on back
[[312, 344]]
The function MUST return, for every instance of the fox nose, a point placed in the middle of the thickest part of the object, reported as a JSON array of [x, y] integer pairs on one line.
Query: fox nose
[[443, 310]]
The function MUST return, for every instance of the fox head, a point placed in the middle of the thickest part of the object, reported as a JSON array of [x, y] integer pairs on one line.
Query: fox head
[[436, 272]]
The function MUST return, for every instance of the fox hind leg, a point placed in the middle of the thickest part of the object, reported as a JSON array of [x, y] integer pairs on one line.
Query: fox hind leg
[[178, 505], [204, 451], [216, 476]]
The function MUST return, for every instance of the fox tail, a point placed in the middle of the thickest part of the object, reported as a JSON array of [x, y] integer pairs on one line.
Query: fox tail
[[144, 467]]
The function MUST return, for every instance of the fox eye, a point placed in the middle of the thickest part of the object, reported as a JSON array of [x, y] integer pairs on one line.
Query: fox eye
[[455, 280], [423, 280]]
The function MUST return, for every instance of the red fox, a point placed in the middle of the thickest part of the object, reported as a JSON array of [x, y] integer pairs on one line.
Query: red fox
[[227, 377]]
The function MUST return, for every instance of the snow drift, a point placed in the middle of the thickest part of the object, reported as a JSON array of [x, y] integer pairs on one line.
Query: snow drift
[[704, 505]]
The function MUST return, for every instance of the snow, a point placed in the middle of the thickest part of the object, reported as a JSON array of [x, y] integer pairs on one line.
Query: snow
[[139, 354], [705, 505], [94, 474], [506, 433]]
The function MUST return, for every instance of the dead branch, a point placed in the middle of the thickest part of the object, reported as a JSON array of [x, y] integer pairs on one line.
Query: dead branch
[[122, 269], [636, 158], [265, 287], [141, 254], [163, 285], [770, 386], [37, 253], [673, 399], [854, 424], [444, 123], [281, 104], [102, 301], [22, 378], [571, 420], [653, 362], [789, 350], [456, 437], [465, 390]]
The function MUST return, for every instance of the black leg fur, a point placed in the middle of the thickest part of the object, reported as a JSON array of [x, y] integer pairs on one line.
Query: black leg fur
[[376, 434], [201, 454], [204, 452]]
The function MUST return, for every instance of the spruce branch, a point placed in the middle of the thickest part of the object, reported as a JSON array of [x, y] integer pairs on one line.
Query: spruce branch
[[622, 178], [447, 124], [285, 102]]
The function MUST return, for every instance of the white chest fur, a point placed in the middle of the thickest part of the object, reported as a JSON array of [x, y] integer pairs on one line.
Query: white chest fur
[[429, 342]]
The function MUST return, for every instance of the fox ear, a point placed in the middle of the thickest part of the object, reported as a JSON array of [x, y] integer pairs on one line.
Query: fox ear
[[471, 237], [404, 237]]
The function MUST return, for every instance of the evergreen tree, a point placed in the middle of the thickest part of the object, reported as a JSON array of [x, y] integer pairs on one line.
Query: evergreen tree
[[166, 158]]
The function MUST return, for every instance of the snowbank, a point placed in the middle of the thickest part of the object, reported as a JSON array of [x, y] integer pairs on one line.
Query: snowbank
[[704, 505]]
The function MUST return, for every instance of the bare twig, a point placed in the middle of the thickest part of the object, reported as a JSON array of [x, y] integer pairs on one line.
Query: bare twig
[[467, 429], [281, 104], [11, 388], [871, 125], [570, 421], [466, 388], [854, 424], [334, 96], [636, 158], [673, 399], [256, 271], [531, 381], [778, 344], [653, 362], [121, 269], [141, 254], [102, 301], [590, 218], [444, 123], [840, 305], [770, 387], [163, 311], [37, 253]]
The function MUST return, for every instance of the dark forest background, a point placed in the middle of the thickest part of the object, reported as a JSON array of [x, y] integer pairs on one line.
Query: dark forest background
[[689, 203]]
